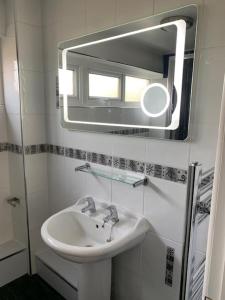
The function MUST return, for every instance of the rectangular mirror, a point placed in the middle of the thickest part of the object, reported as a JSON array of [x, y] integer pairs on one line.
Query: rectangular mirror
[[133, 79]]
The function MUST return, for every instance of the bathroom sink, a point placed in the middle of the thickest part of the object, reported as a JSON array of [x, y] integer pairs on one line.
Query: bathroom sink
[[84, 237]]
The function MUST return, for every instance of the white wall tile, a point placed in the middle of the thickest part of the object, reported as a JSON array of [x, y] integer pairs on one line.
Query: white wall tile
[[55, 132], [127, 10], [36, 172], [206, 108], [163, 6], [154, 267], [19, 220], [83, 184], [99, 14], [6, 229], [4, 171], [127, 147], [57, 183], [29, 11], [38, 208], [51, 45], [51, 11], [1, 88], [14, 128], [213, 23], [16, 175], [175, 154], [50, 92], [74, 182], [203, 147], [3, 126], [127, 196], [94, 142], [98, 187], [32, 88], [10, 76], [72, 19], [30, 47], [34, 129], [165, 208], [209, 85]]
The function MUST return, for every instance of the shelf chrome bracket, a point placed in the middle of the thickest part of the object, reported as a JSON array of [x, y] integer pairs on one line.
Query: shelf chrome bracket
[[83, 167]]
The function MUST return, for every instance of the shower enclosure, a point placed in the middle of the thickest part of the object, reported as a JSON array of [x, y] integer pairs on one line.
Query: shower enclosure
[[14, 237]]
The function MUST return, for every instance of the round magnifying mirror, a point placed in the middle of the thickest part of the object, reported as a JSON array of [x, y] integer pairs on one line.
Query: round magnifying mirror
[[155, 100]]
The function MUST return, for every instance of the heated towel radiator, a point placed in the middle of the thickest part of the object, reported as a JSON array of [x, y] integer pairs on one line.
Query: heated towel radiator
[[199, 196]]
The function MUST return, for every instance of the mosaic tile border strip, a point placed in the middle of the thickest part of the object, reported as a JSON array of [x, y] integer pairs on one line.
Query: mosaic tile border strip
[[10, 148], [128, 164], [169, 266], [150, 169], [3, 147], [35, 149], [167, 173]]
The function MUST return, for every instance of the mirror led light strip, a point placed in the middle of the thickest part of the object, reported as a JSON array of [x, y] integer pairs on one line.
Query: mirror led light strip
[[178, 74]]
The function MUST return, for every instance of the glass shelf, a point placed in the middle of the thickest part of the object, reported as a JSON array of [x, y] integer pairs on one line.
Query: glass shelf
[[114, 175]]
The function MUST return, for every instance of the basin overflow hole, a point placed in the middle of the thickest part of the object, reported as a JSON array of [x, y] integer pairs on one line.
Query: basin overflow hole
[[97, 226]]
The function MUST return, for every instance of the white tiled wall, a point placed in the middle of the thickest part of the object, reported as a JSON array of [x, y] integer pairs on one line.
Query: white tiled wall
[[163, 203]]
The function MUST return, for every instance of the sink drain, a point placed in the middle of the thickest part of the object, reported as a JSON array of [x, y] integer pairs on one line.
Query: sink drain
[[88, 246]]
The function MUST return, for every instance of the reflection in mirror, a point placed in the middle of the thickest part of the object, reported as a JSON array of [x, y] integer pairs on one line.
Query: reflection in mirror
[[105, 78]]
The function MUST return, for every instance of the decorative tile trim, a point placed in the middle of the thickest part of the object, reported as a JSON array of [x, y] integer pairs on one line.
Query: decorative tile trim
[[15, 148], [167, 173], [36, 149], [98, 158], [127, 164], [169, 266], [3, 147], [153, 170], [10, 148], [75, 153], [58, 150]]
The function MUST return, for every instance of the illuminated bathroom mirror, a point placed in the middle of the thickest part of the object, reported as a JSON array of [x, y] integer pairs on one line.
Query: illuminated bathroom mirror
[[133, 79]]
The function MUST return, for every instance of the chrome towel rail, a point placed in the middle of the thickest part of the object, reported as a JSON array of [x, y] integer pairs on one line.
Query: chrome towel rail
[[199, 194]]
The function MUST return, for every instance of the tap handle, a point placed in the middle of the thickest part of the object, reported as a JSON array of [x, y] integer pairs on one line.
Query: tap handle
[[113, 216], [90, 205], [89, 200], [112, 209]]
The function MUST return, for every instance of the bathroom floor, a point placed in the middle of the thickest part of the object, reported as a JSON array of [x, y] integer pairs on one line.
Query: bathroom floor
[[28, 288]]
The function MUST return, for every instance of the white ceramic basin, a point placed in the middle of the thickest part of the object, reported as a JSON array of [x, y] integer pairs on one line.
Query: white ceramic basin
[[80, 237]]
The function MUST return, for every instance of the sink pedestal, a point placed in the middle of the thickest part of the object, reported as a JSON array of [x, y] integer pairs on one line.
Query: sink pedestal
[[95, 280]]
